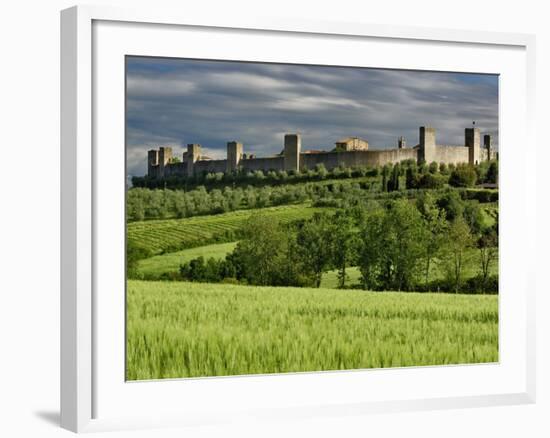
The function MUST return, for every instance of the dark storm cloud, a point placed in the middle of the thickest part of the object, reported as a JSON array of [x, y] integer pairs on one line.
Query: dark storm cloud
[[175, 102]]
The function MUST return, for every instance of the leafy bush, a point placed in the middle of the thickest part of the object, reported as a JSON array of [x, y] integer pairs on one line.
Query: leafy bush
[[481, 195], [463, 176], [431, 181]]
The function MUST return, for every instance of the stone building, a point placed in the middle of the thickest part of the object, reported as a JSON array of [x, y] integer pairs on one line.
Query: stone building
[[356, 154], [352, 144]]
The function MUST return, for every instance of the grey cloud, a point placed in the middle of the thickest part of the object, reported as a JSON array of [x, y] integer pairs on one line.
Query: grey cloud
[[174, 102]]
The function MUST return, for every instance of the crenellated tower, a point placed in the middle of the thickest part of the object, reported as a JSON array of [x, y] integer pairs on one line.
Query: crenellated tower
[[293, 146], [427, 149], [193, 155], [472, 140], [234, 155]]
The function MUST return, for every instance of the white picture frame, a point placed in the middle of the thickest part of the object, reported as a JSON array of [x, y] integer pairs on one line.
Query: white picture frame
[[86, 352]]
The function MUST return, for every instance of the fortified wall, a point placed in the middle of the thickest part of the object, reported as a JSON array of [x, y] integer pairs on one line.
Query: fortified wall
[[160, 163]]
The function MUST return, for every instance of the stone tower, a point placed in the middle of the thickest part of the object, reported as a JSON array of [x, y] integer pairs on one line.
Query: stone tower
[[427, 149], [234, 155], [472, 139], [193, 155], [401, 143], [152, 161], [165, 155], [488, 145], [293, 145]]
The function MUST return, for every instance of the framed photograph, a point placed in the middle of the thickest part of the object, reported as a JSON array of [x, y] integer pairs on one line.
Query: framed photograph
[[278, 219]]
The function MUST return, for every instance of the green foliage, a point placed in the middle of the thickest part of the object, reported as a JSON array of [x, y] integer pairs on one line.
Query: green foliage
[[342, 188], [135, 253], [260, 254], [171, 235], [492, 173], [393, 183], [430, 181], [391, 247], [343, 244], [435, 226], [463, 175], [159, 266], [315, 241], [481, 195], [179, 330], [385, 177], [452, 203], [411, 177], [458, 241], [488, 254]]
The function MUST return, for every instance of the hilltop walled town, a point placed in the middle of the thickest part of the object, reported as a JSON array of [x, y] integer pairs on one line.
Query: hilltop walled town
[[348, 152]]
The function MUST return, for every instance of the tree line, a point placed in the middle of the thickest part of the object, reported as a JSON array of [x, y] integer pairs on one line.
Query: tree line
[[396, 244], [145, 203], [388, 176]]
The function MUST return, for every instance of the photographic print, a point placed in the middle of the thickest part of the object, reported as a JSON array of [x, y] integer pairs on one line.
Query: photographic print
[[300, 218]]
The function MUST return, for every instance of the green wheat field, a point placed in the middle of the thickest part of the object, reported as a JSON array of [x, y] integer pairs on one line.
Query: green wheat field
[[182, 329]]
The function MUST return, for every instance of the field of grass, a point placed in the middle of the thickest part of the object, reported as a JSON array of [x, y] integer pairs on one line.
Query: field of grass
[[177, 329], [472, 268], [160, 235], [155, 266], [170, 262]]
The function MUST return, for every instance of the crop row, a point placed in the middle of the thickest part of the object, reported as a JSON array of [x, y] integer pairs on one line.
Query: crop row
[[175, 234], [178, 329]]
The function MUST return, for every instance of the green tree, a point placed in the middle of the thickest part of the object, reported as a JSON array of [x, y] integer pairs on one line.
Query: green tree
[[370, 247], [314, 238], [492, 173], [474, 217], [463, 175], [459, 241], [391, 247], [259, 254], [134, 253], [487, 245], [435, 226], [452, 203], [430, 181], [403, 245], [343, 244], [411, 177], [393, 183], [385, 177], [196, 269]]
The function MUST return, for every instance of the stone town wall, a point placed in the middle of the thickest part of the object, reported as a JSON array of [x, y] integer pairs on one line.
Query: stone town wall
[[451, 154], [292, 159], [357, 158], [266, 163], [175, 169], [210, 166]]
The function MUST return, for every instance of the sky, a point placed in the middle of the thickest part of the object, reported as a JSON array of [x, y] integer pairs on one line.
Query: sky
[[173, 102]]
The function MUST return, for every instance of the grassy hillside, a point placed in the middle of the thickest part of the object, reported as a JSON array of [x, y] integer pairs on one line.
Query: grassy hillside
[[154, 267], [167, 235], [170, 262], [178, 329], [471, 269]]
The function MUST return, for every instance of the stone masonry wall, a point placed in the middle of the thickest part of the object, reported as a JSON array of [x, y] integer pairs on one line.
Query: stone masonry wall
[[266, 163], [210, 166], [451, 154], [357, 158], [292, 159]]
